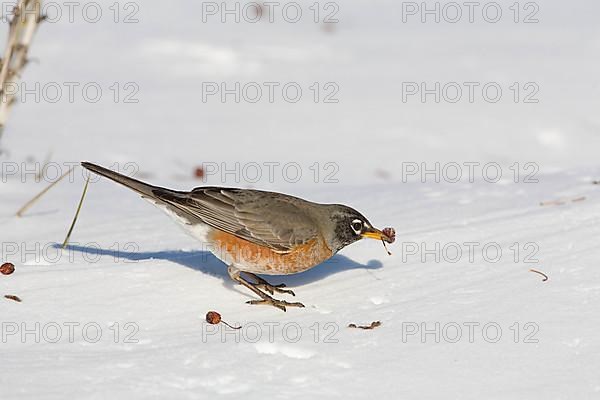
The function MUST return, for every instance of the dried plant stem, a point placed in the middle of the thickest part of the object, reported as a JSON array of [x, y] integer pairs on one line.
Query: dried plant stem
[[540, 273], [22, 26], [373, 325], [87, 182], [561, 202], [40, 194]]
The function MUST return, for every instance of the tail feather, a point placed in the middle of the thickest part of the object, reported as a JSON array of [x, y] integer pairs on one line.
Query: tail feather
[[167, 200], [142, 188]]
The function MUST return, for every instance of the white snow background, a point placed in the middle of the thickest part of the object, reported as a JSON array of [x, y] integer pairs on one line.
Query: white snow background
[[135, 288]]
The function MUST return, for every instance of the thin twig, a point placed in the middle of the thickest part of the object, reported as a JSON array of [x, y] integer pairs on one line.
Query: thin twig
[[87, 182], [40, 194], [561, 202], [373, 325], [541, 273]]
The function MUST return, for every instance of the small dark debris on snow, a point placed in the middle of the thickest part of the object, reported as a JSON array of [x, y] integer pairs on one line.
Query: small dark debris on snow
[[12, 297], [541, 273], [561, 202], [7, 268], [383, 174], [373, 325], [328, 27]]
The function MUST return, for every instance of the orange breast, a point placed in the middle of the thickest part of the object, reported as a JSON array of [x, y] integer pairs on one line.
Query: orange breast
[[251, 257]]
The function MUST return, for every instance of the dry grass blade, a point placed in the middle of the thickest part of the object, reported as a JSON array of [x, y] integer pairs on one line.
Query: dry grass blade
[[87, 182], [561, 202], [40, 194], [24, 23]]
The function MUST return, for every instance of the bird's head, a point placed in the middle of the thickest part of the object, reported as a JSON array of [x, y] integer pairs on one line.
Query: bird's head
[[350, 226]]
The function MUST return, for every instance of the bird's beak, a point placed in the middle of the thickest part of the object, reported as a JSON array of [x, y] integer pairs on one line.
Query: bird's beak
[[373, 233]]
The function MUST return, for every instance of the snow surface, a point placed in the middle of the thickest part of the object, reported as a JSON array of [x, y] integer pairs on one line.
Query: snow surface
[[132, 271]]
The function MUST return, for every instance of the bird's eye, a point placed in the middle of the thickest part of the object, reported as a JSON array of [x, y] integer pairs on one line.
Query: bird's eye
[[357, 226]]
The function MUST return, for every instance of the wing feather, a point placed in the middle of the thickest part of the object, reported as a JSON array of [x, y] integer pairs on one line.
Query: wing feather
[[274, 220]]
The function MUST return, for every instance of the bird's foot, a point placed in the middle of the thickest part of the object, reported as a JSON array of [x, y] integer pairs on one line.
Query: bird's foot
[[234, 273], [281, 304], [271, 289], [266, 286]]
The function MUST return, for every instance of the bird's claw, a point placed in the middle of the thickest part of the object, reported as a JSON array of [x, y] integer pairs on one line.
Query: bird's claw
[[271, 289], [281, 304], [267, 287]]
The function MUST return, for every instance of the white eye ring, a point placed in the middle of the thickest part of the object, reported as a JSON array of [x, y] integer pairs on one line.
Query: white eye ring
[[357, 226]]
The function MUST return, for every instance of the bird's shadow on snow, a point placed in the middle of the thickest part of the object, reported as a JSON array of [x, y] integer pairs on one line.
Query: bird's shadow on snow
[[206, 262]]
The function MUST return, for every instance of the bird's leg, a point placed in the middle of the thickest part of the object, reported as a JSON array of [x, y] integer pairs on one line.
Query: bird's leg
[[234, 273], [264, 285]]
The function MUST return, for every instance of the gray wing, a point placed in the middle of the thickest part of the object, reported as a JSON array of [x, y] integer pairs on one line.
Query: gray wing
[[270, 219]]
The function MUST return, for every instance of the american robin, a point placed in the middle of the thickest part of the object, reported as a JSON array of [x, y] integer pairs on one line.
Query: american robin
[[258, 232]]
